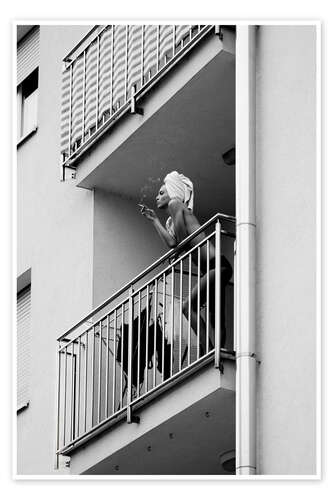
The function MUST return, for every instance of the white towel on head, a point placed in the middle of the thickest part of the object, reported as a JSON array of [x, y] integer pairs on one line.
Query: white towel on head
[[180, 187]]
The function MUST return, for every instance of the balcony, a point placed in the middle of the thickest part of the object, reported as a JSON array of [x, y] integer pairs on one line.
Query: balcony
[[139, 351], [182, 78]]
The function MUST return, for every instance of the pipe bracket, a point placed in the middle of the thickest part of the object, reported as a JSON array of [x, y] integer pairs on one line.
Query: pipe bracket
[[246, 355]]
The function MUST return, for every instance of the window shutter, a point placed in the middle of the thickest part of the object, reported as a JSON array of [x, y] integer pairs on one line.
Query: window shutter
[[27, 54], [23, 345]]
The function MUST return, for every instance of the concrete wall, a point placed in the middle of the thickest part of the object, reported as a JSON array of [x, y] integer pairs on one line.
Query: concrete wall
[[286, 256], [54, 238]]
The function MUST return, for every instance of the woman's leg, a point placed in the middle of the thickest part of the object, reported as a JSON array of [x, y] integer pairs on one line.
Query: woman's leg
[[226, 273], [193, 312]]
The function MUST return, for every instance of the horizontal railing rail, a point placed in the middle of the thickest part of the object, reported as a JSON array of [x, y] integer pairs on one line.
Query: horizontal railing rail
[[107, 73], [160, 326]]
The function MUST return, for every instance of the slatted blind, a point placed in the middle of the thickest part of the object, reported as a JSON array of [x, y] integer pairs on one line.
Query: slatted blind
[[27, 54], [100, 79], [23, 345]]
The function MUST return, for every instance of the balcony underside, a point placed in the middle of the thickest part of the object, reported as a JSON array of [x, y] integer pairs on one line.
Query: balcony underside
[[183, 431], [188, 124]]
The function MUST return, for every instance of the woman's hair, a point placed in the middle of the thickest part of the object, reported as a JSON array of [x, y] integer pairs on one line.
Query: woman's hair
[[180, 187]]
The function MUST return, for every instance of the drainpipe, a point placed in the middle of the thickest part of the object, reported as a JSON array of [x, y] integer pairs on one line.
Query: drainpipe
[[245, 252]]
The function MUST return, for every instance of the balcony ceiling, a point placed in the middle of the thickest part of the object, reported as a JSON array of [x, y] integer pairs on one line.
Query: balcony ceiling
[[189, 133], [189, 443]]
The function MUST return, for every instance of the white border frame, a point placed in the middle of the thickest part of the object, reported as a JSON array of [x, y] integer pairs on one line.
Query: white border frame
[[319, 247]]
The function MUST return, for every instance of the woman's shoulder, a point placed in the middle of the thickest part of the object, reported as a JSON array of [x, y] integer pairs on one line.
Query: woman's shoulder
[[177, 207]]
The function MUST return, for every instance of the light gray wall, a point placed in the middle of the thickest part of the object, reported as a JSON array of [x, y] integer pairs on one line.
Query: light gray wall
[[286, 253], [54, 238], [125, 243]]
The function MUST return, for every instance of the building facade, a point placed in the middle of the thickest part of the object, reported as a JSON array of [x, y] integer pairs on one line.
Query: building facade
[[113, 378]]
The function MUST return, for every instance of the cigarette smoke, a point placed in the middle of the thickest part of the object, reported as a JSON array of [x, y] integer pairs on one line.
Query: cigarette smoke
[[149, 190]]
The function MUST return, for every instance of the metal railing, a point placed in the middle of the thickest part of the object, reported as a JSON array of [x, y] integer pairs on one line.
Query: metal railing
[[147, 336], [107, 74]]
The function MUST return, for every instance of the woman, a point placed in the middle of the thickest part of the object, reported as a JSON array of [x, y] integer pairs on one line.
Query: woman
[[176, 196]]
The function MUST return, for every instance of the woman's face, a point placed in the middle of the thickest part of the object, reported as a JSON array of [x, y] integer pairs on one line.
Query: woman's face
[[162, 198]]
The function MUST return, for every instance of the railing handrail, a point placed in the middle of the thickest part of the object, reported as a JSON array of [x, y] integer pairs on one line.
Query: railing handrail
[[95, 28], [147, 270], [80, 42]]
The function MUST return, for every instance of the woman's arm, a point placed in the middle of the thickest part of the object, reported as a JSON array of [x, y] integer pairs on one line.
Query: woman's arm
[[162, 232]]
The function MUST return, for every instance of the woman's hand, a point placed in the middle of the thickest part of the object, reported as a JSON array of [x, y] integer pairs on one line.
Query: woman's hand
[[148, 212]]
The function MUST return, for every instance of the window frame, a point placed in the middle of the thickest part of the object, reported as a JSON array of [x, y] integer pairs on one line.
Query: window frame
[[22, 137], [23, 286]]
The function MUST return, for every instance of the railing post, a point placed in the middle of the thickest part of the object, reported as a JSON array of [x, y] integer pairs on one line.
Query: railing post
[[129, 355], [70, 110], [234, 340], [217, 293], [97, 80]]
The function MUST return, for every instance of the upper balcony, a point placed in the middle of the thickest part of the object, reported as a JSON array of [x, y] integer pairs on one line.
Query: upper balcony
[[145, 358], [139, 101]]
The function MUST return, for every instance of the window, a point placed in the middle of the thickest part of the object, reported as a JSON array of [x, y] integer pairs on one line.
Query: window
[[23, 346], [27, 97], [27, 81]]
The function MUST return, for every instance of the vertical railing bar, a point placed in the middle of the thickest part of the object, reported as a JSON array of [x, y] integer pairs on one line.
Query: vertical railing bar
[[157, 47], [147, 333], [65, 399], [58, 404], [190, 37], [85, 383], [72, 395], [155, 330], [139, 345], [172, 315], [74, 392], [129, 353], [122, 356], [217, 293], [198, 305], [70, 110], [93, 378], [174, 40], [84, 96], [207, 299], [99, 373], [180, 313], [97, 80], [78, 387], [189, 308], [142, 54], [111, 69], [126, 62], [163, 325], [107, 367], [114, 362]]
